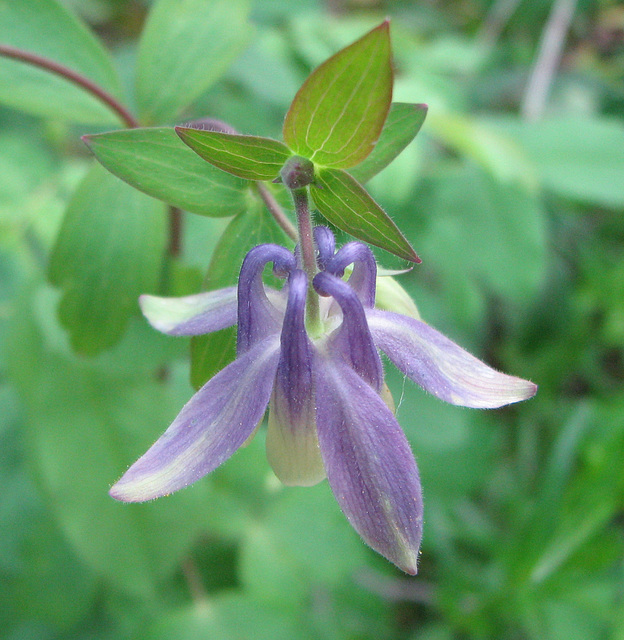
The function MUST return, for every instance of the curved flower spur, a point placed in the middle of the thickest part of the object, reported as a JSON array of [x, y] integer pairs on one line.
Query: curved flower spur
[[330, 413]]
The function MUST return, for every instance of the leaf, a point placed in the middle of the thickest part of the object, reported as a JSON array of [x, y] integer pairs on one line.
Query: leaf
[[249, 157], [156, 162], [581, 159], [302, 541], [47, 28], [338, 114], [345, 203], [213, 351], [499, 155], [70, 587], [185, 47], [83, 428], [228, 616], [502, 225], [403, 123], [109, 250]]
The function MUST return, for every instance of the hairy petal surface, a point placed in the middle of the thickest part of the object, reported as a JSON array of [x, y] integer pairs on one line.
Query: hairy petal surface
[[258, 317], [442, 367], [352, 339], [364, 274], [210, 428], [325, 244], [292, 444], [191, 315], [369, 464]]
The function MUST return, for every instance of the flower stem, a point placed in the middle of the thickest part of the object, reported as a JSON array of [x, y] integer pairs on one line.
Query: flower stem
[[175, 215], [72, 76], [308, 257], [276, 211]]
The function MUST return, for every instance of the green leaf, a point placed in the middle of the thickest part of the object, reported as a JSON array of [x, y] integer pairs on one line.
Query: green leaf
[[213, 351], [108, 252], [48, 29], [581, 159], [503, 225], [249, 157], [302, 541], [185, 47], [499, 155], [346, 204], [70, 587], [338, 114], [84, 427], [156, 162], [228, 616], [403, 123]]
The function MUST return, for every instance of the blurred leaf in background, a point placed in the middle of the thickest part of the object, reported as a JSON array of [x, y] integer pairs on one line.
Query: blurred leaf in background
[[519, 225]]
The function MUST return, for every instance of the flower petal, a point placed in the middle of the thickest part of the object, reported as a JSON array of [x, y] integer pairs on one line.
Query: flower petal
[[258, 317], [442, 367], [210, 428], [325, 244], [191, 315], [292, 445], [369, 463], [391, 296], [352, 339], [364, 274]]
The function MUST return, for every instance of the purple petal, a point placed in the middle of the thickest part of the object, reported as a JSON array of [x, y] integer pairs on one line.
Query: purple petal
[[442, 367], [191, 315], [325, 244], [369, 463], [364, 274], [352, 339], [292, 445], [210, 428], [258, 317]]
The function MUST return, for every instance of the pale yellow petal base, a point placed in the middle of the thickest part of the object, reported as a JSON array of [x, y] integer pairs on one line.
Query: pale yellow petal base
[[293, 450]]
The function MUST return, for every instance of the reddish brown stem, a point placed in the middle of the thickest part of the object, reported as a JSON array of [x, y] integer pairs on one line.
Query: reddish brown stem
[[276, 211], [175, 232], [72, 76], [175, 215]]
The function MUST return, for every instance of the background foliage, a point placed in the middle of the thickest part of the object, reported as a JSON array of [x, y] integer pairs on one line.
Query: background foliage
[[517, 216]]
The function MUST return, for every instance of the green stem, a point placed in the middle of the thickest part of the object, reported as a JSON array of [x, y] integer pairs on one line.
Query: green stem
[[308, 256]]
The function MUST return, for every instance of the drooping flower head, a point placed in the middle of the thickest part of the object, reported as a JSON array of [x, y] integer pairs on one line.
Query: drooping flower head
[[330, 413]]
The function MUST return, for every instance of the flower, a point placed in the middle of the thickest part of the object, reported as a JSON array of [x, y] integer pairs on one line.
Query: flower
[[330, 413]]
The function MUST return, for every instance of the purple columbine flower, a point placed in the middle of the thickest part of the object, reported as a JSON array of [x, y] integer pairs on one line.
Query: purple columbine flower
[[330, 413]]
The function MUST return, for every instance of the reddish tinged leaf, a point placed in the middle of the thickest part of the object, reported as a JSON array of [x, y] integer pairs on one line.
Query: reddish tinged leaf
[[346, 204], [157, 162], [249, 157], [339, 112], [403, 123]]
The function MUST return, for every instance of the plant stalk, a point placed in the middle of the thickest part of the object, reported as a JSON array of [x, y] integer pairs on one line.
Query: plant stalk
[[72, 76], [308, 256], [276, 211], [175, 215]]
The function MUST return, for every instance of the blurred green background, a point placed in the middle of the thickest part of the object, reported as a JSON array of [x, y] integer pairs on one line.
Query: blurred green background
[[512, 194]]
